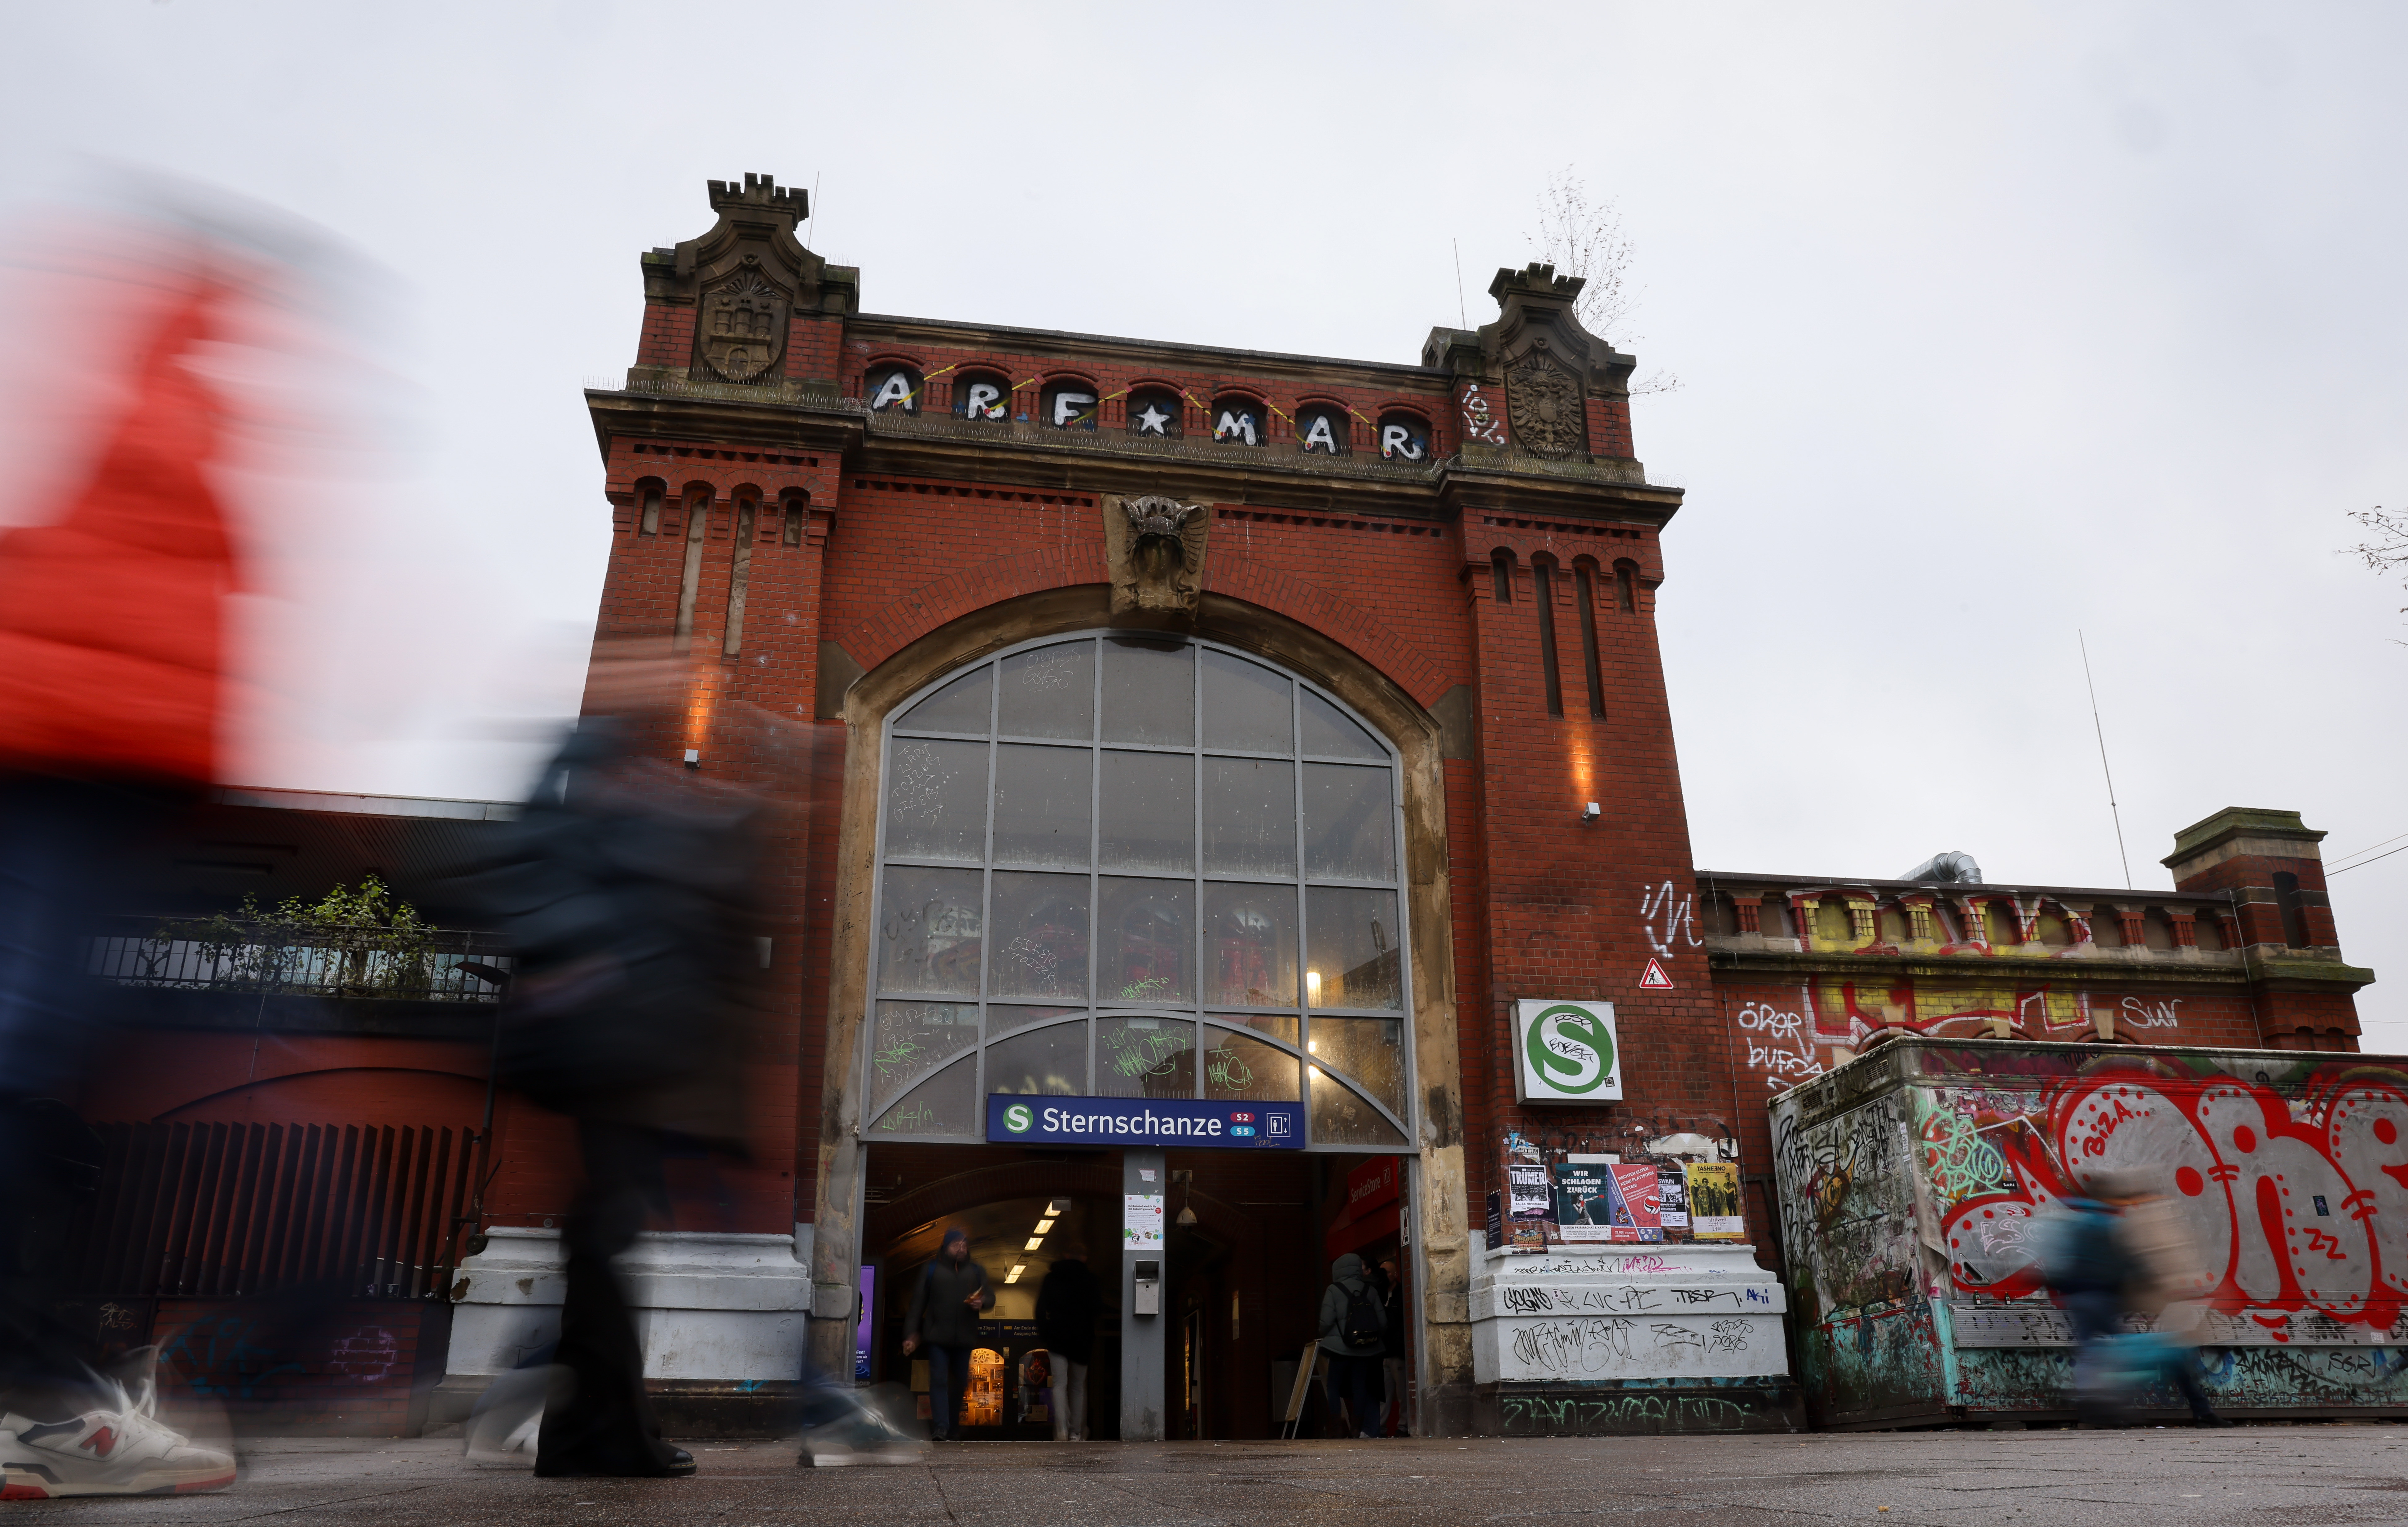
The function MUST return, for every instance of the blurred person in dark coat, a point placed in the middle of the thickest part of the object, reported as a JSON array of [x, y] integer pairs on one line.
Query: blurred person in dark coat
[[112, 657], [626, 890], [944, 1319], [1067, 1305]]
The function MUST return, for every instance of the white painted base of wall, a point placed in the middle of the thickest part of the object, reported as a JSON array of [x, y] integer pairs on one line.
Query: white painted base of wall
[[1585, 1313], [708, 1307]]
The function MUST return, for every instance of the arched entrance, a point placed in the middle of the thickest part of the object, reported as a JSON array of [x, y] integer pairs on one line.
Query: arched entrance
[[1115, 867]]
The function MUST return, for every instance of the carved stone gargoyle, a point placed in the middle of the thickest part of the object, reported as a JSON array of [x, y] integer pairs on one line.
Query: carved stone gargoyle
[[1153, 548]]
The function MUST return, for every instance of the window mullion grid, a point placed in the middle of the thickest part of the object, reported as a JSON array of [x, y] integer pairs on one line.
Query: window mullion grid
[[1094, 897], [1195, 794], [868, 1068], [1404, 956], [1094, 852], [1303, 928], [986, 903]]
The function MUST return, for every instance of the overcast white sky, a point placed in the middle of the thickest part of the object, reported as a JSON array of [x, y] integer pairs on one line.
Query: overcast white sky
[[1994, 324]]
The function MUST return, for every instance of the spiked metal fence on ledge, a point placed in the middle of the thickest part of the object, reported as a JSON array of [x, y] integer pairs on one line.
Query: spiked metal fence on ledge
[[239, 1210]]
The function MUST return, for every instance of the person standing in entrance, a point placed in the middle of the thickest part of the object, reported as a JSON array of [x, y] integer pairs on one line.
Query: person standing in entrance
[[944, 1319], [1391, 1362], [1353, 1333], [1067, 1305]]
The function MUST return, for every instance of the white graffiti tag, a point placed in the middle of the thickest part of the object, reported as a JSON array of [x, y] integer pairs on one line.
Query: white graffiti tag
[[1480, 421], [1782, 1053], [1663, 918], [2158, 1015]]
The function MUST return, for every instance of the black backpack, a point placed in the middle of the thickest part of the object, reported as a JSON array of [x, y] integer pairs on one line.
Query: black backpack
[[1364, 1323]]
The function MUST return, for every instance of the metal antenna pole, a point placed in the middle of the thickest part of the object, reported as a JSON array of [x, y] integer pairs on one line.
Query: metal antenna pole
[[2112, 809], [1462, 318], [813, 216]]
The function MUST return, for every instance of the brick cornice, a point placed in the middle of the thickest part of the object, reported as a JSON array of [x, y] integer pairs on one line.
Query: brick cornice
[[931, 605]]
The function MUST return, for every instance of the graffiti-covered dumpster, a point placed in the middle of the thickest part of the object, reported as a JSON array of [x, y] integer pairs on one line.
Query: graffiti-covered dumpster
[[1910, 1179]]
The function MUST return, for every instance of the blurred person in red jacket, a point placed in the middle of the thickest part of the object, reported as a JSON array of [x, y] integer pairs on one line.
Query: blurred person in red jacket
[[111, 681]]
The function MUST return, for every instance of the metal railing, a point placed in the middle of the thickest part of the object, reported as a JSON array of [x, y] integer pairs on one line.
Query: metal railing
[[145, 953]]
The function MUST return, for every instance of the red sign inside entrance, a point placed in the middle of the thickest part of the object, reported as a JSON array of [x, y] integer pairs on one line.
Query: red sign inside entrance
[[1372, 1184]]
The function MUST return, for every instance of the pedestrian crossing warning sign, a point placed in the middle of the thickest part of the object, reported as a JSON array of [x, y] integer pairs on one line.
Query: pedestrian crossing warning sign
[[1655, 980]]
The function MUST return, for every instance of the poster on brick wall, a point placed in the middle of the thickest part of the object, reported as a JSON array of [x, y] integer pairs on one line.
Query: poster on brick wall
[[1634, 1202], [1713, 1202], [1584, 1199], [1672, 1201], [1528, 1207]]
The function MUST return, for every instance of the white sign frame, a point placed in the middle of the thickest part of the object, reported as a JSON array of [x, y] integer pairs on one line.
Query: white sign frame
[[1534, 1084]]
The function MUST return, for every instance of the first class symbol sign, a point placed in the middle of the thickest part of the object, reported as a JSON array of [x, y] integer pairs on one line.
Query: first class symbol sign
[[1566, 1052], [1144, 1121]]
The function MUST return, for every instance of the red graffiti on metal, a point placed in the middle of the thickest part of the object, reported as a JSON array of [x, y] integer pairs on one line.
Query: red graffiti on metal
[[2289, 1200]]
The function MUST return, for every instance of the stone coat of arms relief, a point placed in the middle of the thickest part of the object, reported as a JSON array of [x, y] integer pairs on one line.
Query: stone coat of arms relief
[[743, 323], [1543, 400]]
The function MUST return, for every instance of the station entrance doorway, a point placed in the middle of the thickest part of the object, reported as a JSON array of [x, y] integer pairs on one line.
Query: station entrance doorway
[[1240, 1282]]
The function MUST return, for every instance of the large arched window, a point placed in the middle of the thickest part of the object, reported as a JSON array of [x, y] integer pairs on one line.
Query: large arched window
[[1124, 865]]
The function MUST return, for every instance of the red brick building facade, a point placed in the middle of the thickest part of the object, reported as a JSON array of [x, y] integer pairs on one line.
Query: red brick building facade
[[833, 509], [1444, 575]]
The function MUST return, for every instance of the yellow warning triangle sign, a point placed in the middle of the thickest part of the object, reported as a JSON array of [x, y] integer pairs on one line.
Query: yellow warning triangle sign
[[1655, 979]]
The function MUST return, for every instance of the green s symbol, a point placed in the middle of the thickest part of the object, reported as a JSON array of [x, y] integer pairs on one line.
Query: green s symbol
[[1017, 1118], [1569, 1049]]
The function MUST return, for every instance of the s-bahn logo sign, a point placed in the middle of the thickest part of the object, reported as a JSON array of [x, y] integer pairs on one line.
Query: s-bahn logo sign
[[1564, 1052]]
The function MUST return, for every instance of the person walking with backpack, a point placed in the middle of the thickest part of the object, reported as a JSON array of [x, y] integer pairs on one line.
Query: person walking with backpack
[[944, 1318], [1354, 1330]]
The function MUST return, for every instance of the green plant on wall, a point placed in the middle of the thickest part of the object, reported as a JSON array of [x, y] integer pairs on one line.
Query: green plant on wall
[[363, 941]]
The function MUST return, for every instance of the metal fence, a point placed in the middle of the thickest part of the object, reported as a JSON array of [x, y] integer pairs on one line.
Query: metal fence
[[239, 1210], [266, 963]]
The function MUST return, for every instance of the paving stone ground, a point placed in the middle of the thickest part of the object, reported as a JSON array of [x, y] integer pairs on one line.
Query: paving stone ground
[[2260, 1476]]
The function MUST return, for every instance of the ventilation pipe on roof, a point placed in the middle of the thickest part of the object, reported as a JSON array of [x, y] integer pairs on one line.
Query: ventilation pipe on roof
[[1952, 867]]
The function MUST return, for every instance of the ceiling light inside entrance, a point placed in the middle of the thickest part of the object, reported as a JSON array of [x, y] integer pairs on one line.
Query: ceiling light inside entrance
[[1033, 1242], [1017, 1268]]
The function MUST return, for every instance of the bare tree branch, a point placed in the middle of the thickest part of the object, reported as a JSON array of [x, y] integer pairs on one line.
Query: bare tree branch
[[1583, 238], [2388, 552]]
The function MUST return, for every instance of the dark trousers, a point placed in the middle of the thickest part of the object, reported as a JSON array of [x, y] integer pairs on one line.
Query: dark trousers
[[1355, 1381], [63, 847], [949, 1380], [2092, 1315], [2183, 1368], [606, 1425]]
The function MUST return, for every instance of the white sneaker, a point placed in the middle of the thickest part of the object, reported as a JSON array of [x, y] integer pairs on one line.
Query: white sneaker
[[105, 1453]]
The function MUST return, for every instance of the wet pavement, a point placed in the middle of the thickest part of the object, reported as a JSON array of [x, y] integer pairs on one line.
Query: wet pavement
[[2264, 1475]]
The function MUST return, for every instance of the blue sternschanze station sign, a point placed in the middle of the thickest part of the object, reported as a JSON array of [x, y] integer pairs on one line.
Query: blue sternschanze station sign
[[1184, 1122]]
